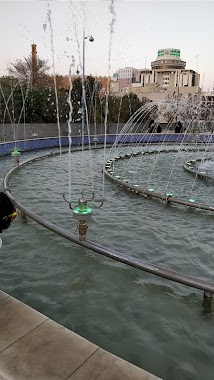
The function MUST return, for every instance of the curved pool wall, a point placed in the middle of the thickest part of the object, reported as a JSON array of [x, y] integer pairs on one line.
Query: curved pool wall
[[143, 191], [42, 143], [196, 172]]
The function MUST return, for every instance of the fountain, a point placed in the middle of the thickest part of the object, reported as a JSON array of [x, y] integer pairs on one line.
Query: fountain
[[136, 141], [142, 318], [84, 278]]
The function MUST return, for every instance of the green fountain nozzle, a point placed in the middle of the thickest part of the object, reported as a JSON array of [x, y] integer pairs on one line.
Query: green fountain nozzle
[[82, 211], [191, 200], [15, 152]]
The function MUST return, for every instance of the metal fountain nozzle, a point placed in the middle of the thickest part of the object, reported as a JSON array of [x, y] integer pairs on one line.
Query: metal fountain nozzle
[[82, 202], [82, 207], [15, 154], [82, 211]]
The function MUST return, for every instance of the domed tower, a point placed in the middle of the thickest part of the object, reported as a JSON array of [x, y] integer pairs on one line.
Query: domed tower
[[170, 74]]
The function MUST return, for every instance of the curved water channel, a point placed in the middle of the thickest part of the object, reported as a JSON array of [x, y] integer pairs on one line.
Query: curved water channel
[[151, 322]]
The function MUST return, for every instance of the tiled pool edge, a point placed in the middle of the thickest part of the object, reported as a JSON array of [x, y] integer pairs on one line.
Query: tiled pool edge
[[50, 142]]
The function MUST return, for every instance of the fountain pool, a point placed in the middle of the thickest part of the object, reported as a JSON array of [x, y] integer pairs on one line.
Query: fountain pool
[[153, 323]]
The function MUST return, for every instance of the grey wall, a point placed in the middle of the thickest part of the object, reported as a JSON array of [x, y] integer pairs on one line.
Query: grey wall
[[10, 133]]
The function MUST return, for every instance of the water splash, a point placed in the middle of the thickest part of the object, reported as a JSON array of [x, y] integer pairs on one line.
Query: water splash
[[75, 30], [54, 75], [197, 136], [69, 100], [112, 23]]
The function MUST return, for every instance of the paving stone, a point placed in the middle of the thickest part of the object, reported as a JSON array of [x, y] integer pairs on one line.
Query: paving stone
[[16, 320], [49, 352], [104, 366], [3, 295], [32, 347]]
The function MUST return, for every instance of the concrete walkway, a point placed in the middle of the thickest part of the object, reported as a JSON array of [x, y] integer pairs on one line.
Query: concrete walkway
[[33, 347]]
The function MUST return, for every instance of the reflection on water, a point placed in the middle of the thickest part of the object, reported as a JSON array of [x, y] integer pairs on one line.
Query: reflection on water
[[153, 323]]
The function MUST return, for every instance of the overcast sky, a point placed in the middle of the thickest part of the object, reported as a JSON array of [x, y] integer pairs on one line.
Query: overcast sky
[[140, 29]]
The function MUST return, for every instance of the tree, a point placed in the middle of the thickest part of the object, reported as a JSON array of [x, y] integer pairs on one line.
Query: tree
[[121, 109], [92, 93], [30, 71], [76, 99], [12, 98], [114, 108], [93, 89], [41, 105], [130, 104]]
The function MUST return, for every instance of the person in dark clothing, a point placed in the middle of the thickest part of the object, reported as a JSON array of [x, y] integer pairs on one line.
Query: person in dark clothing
[[179, 127], [7, 212], [159, 129]]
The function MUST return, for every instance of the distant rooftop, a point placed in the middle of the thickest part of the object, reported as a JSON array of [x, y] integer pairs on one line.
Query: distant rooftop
[[169, 53]]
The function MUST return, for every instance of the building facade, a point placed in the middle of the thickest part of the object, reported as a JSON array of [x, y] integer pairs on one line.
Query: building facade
[[125, 77], [168, 76]]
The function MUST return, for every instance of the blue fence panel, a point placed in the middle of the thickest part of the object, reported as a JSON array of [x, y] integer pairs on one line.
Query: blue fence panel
[[42, 143]]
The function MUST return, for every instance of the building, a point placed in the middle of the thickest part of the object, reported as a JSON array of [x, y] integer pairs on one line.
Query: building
[[168, 76], [105, 83], [125, 77]]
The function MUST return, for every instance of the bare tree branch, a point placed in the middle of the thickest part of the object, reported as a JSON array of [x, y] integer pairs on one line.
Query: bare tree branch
[[26, 70]]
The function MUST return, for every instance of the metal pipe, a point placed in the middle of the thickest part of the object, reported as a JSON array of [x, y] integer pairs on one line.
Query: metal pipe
[[143, 191], [82, 230], [196, 172]]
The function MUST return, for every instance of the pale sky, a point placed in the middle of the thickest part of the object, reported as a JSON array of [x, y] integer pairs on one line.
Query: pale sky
[[140, 29]]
